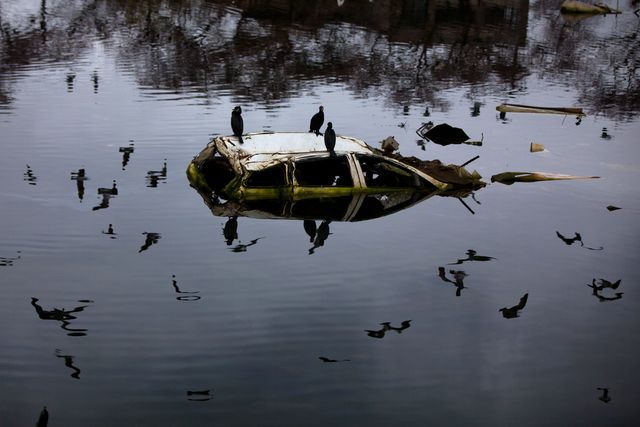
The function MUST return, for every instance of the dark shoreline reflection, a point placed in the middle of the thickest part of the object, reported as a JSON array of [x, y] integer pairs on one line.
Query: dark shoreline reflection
[[408, 51]]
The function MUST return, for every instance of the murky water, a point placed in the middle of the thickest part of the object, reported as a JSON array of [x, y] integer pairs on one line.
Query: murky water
[[132, 309]]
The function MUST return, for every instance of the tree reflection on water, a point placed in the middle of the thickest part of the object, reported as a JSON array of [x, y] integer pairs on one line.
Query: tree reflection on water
[[265, 52]]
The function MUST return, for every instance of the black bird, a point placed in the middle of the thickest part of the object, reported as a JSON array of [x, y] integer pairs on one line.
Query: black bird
[[330, 139], [511, 312], [237, 124], [316, 121]]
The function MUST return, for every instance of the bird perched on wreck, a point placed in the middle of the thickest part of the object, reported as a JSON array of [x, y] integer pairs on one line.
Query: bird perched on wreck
[[316, 121], [237, 124], [330, 139]]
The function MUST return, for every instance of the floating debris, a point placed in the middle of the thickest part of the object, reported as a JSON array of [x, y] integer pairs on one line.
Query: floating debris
[[509, 178], [575, 6], [444, 134], [536, 148], [520, 108]]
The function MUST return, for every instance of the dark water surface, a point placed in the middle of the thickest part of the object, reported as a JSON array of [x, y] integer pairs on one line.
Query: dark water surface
[[157, 321]]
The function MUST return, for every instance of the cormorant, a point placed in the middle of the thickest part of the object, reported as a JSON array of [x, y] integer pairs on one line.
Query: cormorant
[[330, 139], [511, 312], [316, 121], [237, 125]]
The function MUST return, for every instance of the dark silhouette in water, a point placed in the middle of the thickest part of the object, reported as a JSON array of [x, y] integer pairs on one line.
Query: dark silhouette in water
[[576, 238], [43, 419], [472, 256], [29, 176], [126, 154], [153, 177], [68, 362], [96, 81], [230, 230], [150, 239], [605, 394], [605, 284], [316, 121], [60, 315], [79, 177], [190, 297], [237, 124], [570, 241], [204, 393], [106, 193], [511, 312], [310, 229], [321, 235], [458, 275], [8, 261], [386, 326], [240, 247], [328, 360], [110, 232], [330, 139]]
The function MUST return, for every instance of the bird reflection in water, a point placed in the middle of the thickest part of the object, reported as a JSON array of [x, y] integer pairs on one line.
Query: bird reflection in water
[[68, 362], [230, 230], [200, 395], [79, 177], [126, 154], [329, 360], [29, 176], [112, 234], [602, 284], [310, 228], [186, 296], [472, 256], [153, 177], [241, 247], [150, 239], [43, 418], [106, 193], [512, 312], [61, 315], [458, 276], [386, 326], [576, 238], [604, 397], [322, 234], [8, 261]]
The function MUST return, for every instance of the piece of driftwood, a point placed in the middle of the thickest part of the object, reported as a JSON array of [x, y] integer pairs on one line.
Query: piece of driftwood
[[519, 108], [535, 147], [575, 6], [511, 177]]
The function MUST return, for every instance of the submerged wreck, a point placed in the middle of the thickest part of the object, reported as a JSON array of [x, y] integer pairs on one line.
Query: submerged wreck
[[292, 175]]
